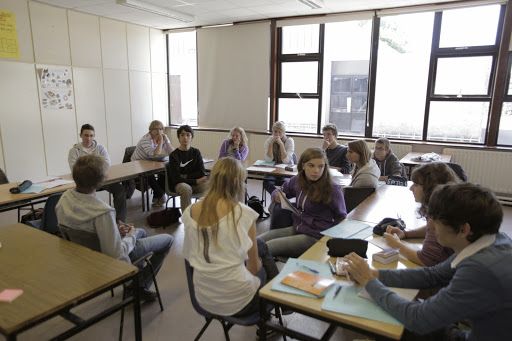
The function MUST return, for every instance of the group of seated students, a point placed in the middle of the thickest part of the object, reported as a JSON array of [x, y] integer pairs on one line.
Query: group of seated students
[[464, 255]]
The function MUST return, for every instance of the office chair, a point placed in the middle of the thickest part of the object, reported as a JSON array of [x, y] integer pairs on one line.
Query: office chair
[[227, 321], [90, 240], [48, 222], [355, 195]]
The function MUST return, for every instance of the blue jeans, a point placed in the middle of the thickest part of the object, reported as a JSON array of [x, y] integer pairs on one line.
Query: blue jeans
[[268, 271], [287, 242], [160, 245]]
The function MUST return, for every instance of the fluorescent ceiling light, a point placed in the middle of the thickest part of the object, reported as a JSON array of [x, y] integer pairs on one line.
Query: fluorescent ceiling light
[[165, 12], [314, 4]]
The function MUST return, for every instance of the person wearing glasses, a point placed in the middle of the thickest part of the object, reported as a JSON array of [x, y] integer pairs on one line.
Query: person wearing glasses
[[387, 161], [152, 145]]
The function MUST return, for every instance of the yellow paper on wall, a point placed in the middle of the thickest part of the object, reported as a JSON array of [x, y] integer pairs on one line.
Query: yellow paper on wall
[[8, 36]]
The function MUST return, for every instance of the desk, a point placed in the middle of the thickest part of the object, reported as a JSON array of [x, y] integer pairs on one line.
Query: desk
[[56, 275], [409, 163], [313, 306], [116, 173], [389, 201]]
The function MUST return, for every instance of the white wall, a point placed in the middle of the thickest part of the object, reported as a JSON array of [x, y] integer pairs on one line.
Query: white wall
[[119, 86]]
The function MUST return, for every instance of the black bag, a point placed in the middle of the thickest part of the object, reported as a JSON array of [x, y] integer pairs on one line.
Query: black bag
[[380, 228], [164, 217], [340, 247], [35, 214], [256, 204], [397, 180]]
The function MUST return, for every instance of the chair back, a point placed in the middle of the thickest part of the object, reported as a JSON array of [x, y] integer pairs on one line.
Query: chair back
[[458, 170], [84, 238], [167, 189], [128, 152], [3, 177], [49, 222], [190, 280], [356, 195]]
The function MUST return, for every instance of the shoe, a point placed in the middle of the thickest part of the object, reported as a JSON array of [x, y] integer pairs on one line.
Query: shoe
[[144, 294]]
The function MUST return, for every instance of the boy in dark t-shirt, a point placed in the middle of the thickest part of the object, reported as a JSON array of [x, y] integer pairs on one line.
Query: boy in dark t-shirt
[[187, 175]]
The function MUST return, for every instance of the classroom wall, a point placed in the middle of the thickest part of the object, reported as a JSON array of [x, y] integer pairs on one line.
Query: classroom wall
[[119, 75]]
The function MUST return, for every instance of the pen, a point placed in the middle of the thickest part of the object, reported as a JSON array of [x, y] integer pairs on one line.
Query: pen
[[337, 290], [308, 268], [333, 269]]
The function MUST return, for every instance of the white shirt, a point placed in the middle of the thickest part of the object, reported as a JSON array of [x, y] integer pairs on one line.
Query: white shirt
[[224, 286]]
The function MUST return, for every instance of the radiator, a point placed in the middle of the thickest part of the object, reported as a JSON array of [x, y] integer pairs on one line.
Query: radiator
[[491, 169]]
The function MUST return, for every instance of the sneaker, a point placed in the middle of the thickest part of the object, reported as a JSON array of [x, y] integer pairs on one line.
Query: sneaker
[[269, 333], [144, 294]]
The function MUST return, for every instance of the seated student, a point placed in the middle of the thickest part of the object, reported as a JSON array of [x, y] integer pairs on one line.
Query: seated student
[[236, 145], [319, 200], [81, 209], [187, 174], [278, 148], [387, 162], [154, 144], [475, 282], [90, 146], [425, 179], [230, 265], [364, 169], [336, 153]]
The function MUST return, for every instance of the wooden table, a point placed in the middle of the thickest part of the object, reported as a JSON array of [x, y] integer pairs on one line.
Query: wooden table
[[409, 163], [55, 276], [116, 173], [313, 306], [389, 201], [257, 174]]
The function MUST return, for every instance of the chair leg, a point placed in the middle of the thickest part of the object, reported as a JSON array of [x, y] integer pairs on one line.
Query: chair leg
[[226, 326], [156, 285], [122, 315], [208, 321]]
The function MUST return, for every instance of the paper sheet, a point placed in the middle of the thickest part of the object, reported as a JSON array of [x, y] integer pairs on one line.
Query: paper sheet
[[350, 229], [286, 204], [261, 169]]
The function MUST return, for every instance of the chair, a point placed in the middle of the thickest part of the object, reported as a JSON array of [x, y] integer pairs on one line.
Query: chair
[[458, 170], [49, 221], [276, 182], [90, 240], [356, 195], [173, 195], [227, 321]]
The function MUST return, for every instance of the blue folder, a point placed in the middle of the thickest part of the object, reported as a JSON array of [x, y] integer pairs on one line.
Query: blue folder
[[350, 229]]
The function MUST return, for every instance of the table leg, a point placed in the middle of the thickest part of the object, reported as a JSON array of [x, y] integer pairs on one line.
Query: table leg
[[142, 191], [136, 308], [263, 320]]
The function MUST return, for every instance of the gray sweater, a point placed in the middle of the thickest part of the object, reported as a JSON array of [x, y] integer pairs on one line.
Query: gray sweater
[[478, 288], [366, 176], [390, 165], [78, 150], [87, 212]]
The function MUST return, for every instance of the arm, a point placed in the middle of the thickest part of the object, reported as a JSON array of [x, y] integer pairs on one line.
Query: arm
[[287, 150], [110, 240], [269, 156], [338, 204], [72, 156], [345, 164], [241, 154], [103, 152], [394, 241], [223, 147], [472, 291], [395, 168], [254, 262]]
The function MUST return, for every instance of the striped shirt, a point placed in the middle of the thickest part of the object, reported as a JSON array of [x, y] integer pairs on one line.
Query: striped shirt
[[145, 148]]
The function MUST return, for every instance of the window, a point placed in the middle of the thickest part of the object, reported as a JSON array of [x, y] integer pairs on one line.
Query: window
[[505, 127], [182, 78], [323, 72], [431, 79]]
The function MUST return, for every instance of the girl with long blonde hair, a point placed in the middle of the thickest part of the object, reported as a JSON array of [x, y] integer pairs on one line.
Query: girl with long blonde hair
[[220, 244]]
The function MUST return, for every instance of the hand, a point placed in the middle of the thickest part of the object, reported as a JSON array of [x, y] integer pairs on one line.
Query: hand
[[275, 139], [277, 198], [165, 138], [326, 144], [201, 180], [124, 228], [396, 230], [392, 240], [236, 144], [358, 269]]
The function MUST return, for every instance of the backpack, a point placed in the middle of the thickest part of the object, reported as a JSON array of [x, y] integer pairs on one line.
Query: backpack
[[164, 217], [380, 228], [257, 205]]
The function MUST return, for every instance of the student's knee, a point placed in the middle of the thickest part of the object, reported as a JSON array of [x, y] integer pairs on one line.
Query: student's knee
[[183, 189]]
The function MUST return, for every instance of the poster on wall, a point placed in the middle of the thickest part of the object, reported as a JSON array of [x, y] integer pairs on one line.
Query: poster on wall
[[8, 36], [57, 89]]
